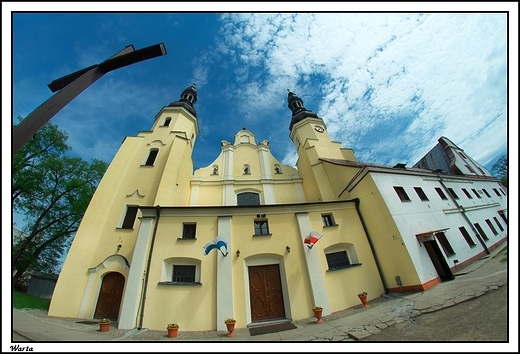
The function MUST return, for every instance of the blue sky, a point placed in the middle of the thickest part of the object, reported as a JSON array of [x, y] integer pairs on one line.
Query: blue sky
[[387, 85]]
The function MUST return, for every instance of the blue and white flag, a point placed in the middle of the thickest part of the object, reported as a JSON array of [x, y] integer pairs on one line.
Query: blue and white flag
[[217, 243]]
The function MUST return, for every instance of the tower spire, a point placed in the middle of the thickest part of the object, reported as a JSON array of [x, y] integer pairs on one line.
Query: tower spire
[[299, 112], [187, 100]]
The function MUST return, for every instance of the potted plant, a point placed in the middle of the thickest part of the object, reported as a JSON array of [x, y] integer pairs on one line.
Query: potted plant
[[104, 324], [363, 296], [318, 310], [172, 328], [230, 324]]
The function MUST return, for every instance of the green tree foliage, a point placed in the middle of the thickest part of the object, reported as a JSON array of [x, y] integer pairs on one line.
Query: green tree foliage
[[52, 190], [499, 169]]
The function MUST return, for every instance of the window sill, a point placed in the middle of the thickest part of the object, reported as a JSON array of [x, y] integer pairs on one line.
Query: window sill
[[331, 225], [346, 267], [263, 235], [124, 228], [176, 283], [186, 239]]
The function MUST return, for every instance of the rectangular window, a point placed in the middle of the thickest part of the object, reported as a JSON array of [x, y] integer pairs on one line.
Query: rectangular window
[[467, 193], [337, 260], [131, 213], [498, 224], [441, 193], [183, 273], [444, 243], [420, 193], [452, 193], [467, 237], [328, 220], [402, 194], [481, 231], [476, 193], [493, 230], [496, 192], [261, 227], [502, 191], [470, 169], [502, 215], [189, 230], [486, 193]]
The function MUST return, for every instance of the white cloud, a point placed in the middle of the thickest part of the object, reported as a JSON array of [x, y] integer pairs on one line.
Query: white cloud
[[417, 76]]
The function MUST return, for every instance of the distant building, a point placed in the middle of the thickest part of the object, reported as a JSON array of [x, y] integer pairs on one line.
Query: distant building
[[251, 238]]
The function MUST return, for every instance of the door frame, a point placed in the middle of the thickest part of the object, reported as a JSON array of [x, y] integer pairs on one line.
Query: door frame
[[441, 260], [260, 260]]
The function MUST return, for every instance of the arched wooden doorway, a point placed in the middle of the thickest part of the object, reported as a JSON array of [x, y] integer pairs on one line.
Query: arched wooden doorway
[[110, 296]]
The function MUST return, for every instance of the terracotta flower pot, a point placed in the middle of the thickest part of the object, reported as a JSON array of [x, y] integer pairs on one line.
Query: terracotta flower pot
[[172, 332], [231, 328], [318, 315], [364, 300], [104, 326]]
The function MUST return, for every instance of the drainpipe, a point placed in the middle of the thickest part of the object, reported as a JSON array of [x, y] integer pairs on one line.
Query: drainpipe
[[143, 299], [357, 201], [463, 211]]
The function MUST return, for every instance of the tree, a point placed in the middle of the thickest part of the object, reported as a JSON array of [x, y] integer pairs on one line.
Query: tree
[[499, 169], [53, 191]]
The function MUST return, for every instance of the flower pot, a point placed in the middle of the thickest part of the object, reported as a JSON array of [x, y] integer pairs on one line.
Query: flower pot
[[104, 326], [318, 315], [230, 328], [172, 332], [364, 300]]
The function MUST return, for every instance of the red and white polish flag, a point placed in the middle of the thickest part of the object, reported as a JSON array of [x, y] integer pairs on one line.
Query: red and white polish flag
[[312, 238]]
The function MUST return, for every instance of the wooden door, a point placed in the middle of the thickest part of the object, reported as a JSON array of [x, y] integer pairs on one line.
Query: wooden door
[[110, 296], [265, 289]]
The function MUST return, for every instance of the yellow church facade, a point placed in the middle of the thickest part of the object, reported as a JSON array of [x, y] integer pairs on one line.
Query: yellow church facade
[[249, 237]]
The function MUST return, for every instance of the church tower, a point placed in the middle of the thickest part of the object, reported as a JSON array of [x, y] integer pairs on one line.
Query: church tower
[[152, 168], [312, 142]]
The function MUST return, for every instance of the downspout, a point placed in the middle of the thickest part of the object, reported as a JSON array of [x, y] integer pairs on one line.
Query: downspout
[[461, 208], [143, 299], [357, 201]]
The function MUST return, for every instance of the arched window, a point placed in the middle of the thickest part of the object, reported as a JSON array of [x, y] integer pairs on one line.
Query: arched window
[[248, 198], [152, 155], [167, 122]]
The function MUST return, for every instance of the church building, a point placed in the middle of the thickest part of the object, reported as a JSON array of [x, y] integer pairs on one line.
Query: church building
[[250, 238]]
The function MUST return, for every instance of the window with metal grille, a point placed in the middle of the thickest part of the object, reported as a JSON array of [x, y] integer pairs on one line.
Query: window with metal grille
[[131, 213], [493, 230], [188, 231], [467, 193], [481, 231], [444, 243], [498, 224], [420, 193], [441, 193], [328, 220], [248, 198], [467, 237], [337, 260], [183, 273], [261, 227], [402, 194]]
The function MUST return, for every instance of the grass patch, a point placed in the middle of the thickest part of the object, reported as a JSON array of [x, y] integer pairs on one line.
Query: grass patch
[[500, 253], [24, 301]]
